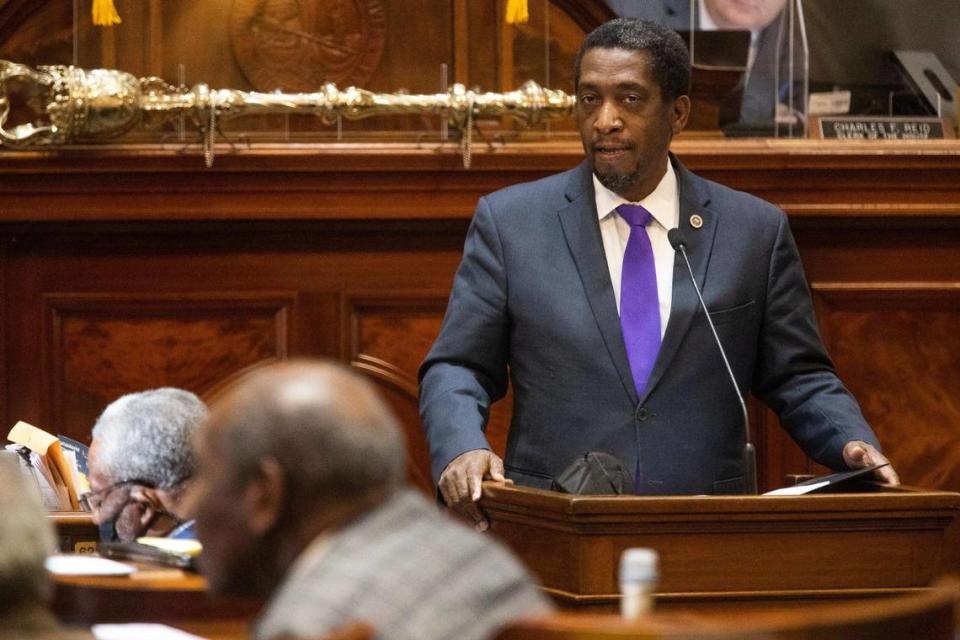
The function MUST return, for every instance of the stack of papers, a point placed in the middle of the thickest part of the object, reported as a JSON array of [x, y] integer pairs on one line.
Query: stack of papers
[[82, 565], [822, 482], [57, 465]]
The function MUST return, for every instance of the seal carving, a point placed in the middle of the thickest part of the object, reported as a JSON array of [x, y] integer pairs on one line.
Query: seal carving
[[297, 45]]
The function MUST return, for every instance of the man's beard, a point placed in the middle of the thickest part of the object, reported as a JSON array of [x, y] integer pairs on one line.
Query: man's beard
[[619, 183]]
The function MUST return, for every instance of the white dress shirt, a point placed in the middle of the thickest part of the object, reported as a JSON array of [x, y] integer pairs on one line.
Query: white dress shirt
[[664, 205]]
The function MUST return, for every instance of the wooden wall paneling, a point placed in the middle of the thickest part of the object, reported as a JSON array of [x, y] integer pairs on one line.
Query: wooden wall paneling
[[122, 307], [836, 182], [415, 189], [154, 43], [505, 35], [484, 53], [862, 265], [23, 344], [108, 49], [134, 38], [99, 346], [895, 345], [461, 43], [385, 337], [34, 32], [387, 221]]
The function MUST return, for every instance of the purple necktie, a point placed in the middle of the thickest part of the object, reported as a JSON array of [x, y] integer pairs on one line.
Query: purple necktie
[[639, 303]]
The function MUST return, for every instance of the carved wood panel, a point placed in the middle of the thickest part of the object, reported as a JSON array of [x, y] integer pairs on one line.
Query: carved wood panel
[[895, 346], [101, 346], [386, 337]]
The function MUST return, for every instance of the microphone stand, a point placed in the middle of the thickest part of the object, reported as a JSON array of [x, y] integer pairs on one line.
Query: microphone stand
[[749, 452]]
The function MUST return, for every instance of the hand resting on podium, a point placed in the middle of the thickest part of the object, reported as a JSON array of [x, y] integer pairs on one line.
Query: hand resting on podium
[[460, 483], [461, 479], [858, 454]]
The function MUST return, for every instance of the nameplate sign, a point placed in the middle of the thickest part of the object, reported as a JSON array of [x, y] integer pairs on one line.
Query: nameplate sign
[[880, 128]]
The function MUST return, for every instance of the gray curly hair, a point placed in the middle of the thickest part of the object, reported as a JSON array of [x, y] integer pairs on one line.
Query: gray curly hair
[[148, 436], [26, 538]]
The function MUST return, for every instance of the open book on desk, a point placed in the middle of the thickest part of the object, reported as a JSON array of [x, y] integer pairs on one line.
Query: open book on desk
[[57, 464], [844, 480]]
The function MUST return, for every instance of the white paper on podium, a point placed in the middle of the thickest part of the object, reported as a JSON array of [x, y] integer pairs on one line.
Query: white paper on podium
[[839, 478], [140, 631], [797, 490]]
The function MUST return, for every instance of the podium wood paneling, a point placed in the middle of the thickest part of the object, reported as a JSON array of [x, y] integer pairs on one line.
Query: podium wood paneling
[[731, 549], [907, 332], [130, 267]]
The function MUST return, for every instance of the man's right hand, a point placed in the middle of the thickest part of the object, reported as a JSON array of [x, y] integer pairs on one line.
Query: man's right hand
[[460, 483]]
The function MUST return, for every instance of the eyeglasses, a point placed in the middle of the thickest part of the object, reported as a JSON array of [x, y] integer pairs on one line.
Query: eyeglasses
[[91, 501]]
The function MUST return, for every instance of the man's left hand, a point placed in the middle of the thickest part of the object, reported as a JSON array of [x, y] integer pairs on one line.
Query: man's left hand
[[858, 454]]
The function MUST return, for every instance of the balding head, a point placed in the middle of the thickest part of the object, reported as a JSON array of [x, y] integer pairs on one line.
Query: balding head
[[326, 427], [289, 452]]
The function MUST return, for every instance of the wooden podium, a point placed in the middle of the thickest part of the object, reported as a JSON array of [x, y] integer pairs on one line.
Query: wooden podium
[[721, 551]]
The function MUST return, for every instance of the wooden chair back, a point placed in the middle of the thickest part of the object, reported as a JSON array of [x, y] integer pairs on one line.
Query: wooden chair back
[[931, 614]]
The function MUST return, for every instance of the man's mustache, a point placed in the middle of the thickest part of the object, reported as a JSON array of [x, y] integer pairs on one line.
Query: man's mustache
[[612, 145]]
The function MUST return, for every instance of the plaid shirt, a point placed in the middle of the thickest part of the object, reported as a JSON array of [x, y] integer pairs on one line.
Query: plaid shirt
[[409, 571]]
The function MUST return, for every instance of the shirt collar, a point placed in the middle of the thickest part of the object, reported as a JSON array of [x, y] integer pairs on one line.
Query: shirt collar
[[661, 203], [706, 23]]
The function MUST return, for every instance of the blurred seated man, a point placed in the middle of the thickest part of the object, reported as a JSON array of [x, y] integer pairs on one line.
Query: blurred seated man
[[300, 495], [759, 17], [140, 462], [26, 538]]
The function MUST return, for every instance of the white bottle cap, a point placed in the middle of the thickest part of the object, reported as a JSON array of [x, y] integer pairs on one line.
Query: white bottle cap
[[638, 564]]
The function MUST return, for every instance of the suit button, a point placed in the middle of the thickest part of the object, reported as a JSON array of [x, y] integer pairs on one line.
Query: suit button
[[642, 414]]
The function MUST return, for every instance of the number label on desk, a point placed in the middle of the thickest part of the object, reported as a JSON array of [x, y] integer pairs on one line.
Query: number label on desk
[[87, 547]]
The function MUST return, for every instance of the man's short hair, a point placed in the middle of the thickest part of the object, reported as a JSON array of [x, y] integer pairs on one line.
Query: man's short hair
[[325, 425], [148, 437], [669, 57], [26, 539]]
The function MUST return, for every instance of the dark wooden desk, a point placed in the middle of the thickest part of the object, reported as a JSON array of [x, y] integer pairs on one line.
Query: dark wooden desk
[[161, 595], [76, 532], [728, 551]]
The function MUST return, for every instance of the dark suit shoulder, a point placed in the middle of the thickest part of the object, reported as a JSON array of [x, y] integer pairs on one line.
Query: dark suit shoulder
[[747, 207], [546, 194]]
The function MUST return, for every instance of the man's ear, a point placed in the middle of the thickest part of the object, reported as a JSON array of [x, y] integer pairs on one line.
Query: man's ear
[[681, 113], [264, 496]]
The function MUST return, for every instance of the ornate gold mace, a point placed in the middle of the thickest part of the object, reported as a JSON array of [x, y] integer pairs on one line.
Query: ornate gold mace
[[73, 105]]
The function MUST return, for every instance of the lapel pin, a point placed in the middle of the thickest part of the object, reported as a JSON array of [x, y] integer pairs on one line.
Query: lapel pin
[[696, 221]]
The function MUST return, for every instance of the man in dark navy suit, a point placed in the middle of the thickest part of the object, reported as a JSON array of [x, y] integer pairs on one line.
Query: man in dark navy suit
[[569, 288]]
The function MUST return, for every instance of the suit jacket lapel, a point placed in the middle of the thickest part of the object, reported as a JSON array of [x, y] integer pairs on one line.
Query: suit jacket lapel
[[581, 228], [694, 199]]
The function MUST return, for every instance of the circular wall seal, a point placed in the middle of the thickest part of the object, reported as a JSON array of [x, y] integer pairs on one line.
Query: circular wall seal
[[297, 45]]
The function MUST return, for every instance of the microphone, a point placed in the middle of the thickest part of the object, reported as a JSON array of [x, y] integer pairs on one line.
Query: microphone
[[749, 453]]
